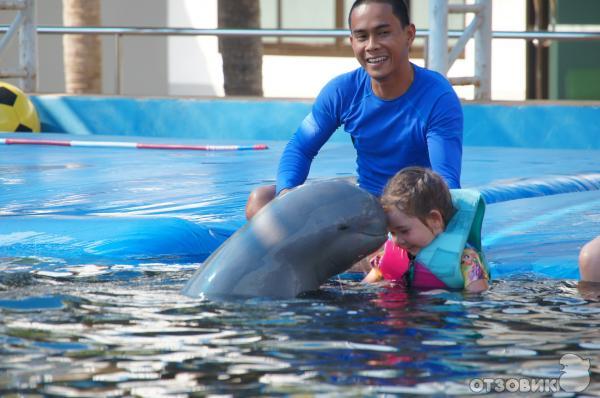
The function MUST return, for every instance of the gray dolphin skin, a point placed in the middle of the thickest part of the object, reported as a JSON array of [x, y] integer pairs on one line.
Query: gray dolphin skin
[[294, 244]]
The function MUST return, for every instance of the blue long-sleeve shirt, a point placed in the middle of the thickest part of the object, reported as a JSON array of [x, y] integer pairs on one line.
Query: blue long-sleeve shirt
[[423, 127]]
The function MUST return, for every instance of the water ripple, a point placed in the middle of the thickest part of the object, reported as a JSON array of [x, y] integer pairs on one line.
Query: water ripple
[[93, 334]]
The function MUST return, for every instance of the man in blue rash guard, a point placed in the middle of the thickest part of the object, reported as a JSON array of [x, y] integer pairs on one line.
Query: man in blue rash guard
[[398, 114]]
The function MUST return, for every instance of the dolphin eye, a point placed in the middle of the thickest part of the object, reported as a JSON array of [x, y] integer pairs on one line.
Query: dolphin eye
[[343, 227]]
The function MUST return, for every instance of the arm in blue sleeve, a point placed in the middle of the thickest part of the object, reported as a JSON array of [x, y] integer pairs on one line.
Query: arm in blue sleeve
[[313, 133], [298, 154], [445, 138]]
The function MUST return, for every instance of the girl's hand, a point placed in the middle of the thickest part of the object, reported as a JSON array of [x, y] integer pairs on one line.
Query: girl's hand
[[373, 276], [477, 286]]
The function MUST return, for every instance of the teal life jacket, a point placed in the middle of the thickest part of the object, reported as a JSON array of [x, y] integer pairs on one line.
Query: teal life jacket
[[442, 257]]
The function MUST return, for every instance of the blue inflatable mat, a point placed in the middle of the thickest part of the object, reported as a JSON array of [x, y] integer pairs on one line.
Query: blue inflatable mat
[[109, 205], [94, 239]]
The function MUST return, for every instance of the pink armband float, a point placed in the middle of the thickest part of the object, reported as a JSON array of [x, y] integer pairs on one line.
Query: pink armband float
[[394, 263]]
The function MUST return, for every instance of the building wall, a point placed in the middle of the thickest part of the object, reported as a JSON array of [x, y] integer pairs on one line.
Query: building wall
[[195, 65], [574, 67], [189, 66], [144, 63]]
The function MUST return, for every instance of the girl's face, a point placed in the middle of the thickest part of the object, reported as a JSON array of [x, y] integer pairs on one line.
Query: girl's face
[[410, 232]]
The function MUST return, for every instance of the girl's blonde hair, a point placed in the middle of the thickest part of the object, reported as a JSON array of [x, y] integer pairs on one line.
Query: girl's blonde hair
[[416, 191]]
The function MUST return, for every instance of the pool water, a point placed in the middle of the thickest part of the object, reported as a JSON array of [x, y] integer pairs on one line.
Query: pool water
[[78, 321], [99, 333]]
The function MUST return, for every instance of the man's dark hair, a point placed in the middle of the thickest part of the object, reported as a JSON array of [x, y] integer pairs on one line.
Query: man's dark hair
[[399, 9]]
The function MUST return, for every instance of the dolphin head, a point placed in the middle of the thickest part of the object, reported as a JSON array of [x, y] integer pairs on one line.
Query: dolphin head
[[352, 226], [295, 243]]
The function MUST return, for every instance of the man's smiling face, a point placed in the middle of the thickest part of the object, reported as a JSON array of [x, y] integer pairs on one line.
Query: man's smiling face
[[379, 41]]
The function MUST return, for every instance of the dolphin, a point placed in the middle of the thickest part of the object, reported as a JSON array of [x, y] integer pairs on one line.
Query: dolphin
[[294, 243]]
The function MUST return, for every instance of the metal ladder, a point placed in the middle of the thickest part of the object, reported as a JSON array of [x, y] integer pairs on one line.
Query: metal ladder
[[24, 23], [440, 60]]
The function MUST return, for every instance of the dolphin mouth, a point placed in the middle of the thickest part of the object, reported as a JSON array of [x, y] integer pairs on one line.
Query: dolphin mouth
[[373, 233]]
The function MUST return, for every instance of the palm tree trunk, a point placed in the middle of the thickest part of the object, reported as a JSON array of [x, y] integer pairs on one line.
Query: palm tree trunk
[[242, 56], [82, 53]]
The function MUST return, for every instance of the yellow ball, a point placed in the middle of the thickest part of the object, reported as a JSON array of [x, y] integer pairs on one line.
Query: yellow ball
[[17, 112]]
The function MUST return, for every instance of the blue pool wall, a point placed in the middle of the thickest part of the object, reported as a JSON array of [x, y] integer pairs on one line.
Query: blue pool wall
[[519, 124]]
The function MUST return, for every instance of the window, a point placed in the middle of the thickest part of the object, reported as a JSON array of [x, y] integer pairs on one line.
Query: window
[[329, 14]]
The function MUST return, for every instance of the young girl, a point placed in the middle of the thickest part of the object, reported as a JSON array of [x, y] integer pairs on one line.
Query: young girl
[[435, 234]]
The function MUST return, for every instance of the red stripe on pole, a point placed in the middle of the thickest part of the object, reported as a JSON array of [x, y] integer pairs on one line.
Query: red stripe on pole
[[25, 141]]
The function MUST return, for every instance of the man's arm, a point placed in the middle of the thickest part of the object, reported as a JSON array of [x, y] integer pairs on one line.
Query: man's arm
[[313, 133], [298, 154], [445, 138]]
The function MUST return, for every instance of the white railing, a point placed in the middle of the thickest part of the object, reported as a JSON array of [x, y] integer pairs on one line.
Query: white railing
[[436, 40], [480, 28], [25, 25]]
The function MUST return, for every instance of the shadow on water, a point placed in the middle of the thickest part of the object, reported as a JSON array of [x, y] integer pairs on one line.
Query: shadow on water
[[99, 334]]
